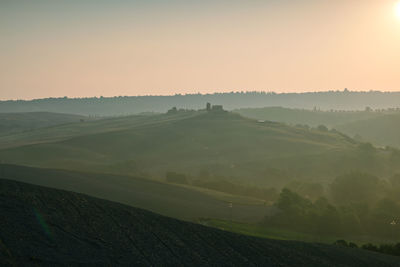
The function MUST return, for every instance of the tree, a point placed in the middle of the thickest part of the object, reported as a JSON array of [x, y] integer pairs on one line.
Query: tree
[[383, 219], [322, 128], [172, 110], [356, 187], [293, 211], [326, 217], [366, 148], [308, 190]]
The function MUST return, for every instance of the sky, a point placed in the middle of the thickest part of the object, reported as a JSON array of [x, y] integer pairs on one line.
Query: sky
[[83, 48]]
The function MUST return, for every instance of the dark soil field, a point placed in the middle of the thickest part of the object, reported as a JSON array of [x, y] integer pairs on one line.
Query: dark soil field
[[48, 227]]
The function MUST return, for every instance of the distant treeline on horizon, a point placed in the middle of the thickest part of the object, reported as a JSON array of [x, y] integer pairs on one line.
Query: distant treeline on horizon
[[125, 105]]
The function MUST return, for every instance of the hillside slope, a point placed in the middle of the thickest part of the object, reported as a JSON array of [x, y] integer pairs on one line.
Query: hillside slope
[[47, 227], [11, 123], [312, 118], [378, 127], [223, 144], [166, 199], [383, 130]]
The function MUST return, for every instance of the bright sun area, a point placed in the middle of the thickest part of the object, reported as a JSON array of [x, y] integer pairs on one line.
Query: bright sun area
[[397, 9]]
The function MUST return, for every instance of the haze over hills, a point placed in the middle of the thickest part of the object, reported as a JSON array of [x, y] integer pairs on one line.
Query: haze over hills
[[11, 123], [380, 127], [240, 121], [183, 202], [309, 117], [284, 180], [109, 106], [218, 144], [47, 227], [383, 130]]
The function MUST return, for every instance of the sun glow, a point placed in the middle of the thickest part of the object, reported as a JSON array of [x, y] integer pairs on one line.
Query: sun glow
[[397, 9]]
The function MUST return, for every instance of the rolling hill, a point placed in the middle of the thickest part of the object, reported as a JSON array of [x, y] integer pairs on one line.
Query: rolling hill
[[312, 118], [183, 202], [47, 227], [383, 130], [11, 123], [222, 143], [378, 127]]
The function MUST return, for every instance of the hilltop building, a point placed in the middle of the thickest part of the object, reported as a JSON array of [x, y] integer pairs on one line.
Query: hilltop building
[[210, 107], [217, 108]]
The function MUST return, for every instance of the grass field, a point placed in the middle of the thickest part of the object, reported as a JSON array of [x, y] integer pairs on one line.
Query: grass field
[[262, 231], [223, 144], [12, 123], [312, 118], [382, 131], [259, 230], [186, 202], [378, 127]]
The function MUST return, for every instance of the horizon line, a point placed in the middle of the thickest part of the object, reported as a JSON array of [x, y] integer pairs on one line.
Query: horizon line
[[201, 94]]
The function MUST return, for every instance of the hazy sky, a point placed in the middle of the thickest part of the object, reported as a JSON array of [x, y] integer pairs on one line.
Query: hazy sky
[[81, 48]]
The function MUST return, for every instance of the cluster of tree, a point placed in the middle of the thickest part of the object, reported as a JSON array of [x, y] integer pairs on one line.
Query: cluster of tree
[[358, 204], [309, 190], [311, 118], [391, 249], [174, 110]]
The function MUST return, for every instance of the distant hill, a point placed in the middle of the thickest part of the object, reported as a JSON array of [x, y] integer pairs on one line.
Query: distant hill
[[47, 227], [107, 106], [383, 130], [181, 202], [378, 127], [11, 123], [223, 144], [312, 118]]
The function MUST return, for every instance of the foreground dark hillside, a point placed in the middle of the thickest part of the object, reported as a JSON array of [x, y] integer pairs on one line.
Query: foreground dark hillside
[[47, 227]]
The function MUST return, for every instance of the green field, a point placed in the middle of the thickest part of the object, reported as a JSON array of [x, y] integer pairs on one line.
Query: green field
[[383, 130], [224, 145], [312, 118], [263, 231], [182, 202], [126, 159], [12, 123], [378, 127]]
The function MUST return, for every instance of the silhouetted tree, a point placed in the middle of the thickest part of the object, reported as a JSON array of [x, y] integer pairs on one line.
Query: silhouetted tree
[[356, 187]]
